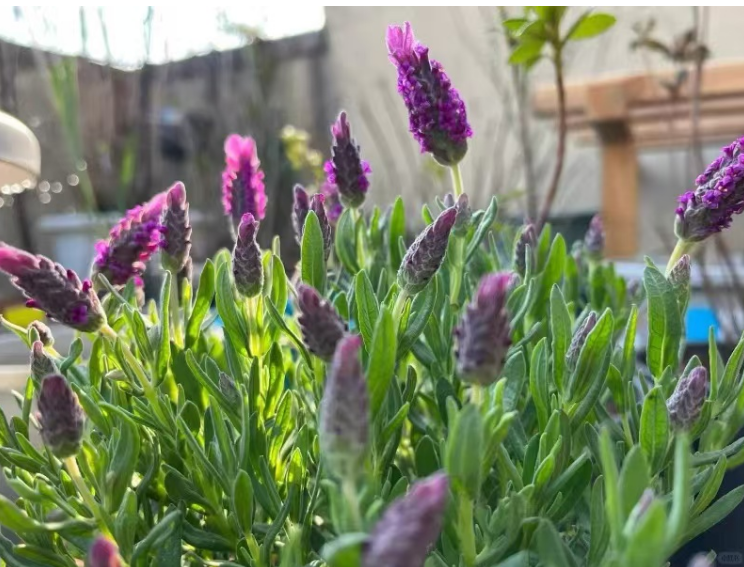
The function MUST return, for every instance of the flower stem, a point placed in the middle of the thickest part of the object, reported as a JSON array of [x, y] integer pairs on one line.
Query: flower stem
[[476, 394], [399, 307], [174, 310], [90, 502], [683, 247], [456, 179], [465, 530]]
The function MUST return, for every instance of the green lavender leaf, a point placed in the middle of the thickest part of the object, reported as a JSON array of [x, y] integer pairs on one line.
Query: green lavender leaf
[[381, 367], [654, 429], [312, 259], [664, 322], [396, 231], [367, 307]]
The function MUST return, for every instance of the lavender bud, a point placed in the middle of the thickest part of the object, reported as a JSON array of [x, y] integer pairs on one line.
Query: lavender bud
[[322, 326], [527, 237], [462, 220], [318, 207], [344, 412], [44, 332], [425, 255], [594, 239], [718, 196], [332, 203], [687, 400], [410, 526], [346, 170], [483, 333], [54, 290], [300, 208], [42, 364], [679, 276], [103, 553], [61, 417], [175, 243], [229, 389], [247, 266], [578, 340], [436, 113]]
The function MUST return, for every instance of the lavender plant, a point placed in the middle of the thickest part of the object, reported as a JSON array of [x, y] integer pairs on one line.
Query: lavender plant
[[461, 401]]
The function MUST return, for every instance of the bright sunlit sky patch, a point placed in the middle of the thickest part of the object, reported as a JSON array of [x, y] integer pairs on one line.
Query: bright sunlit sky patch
[[127, 35]]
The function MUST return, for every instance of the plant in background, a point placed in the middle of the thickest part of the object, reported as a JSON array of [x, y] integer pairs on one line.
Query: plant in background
[[432, 404], [538, 34]]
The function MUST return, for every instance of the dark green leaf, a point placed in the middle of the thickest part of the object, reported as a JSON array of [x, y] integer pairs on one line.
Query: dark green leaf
[[717, 512], [654, 430], [381, 367], [463, 452], [313, 256], [634, 479], [539, 383], [367, 307], [664, 322], [560, 331], [204, 296], [483, 227], [346, 242], [396, 231]]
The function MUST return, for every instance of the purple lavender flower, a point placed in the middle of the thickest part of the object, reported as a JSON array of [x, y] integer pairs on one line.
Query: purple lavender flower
[[594, 239], [687, 400], [483, 333], [175, 242], [333, 205], [425, 255], [436, 113], [247, 266], [61, 417], [718, 196], [410, 526], [42, 364], [103, 553], [464, 212], [300, 208], [344, 412], [527, 237], [578, 340], [131, 243], [346, 170], [322, 326], [54, 290], [317, 205], [243, 188]]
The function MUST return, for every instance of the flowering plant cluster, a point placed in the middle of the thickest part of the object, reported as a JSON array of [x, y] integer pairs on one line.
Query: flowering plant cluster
[[464, 399]]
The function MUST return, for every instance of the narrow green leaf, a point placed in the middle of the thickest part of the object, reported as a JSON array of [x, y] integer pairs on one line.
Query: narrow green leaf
[[611, 487], [367, 306], [345, 242], [396, 231], [628, 366], [599, 532], [717, 512], [381, 367], [550, 547], [634, 479], [594, 359], [664, 323], [654, 429], [463, 452], [710, 488], [680, 513], [483, 227], [560, 331], [539, 386], [312, 258], [204, 296], [162, 356]]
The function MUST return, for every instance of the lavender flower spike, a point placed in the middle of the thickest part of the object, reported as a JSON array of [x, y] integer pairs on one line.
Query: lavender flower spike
[[527, 237], [300, 208], [333, 205], [436, 113], [131, 243], [322, 326], [42, 364], [410, 526], [54, 290], [464, 212], [594, 239], [687, 400], [483, 333], [243, 188], [103, 553], [425, 255], [718, 196], [344, 412], [317, 205], [247, 266], [61, 417], [346, 170], [175, 243], [44, 332]]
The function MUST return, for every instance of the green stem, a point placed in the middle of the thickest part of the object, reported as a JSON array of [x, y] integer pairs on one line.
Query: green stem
[[399, 307], [174, 310], [254, 332], [456, 179], [476, 395], [90, 502], [348, 489], [466, 530], [683, 247]]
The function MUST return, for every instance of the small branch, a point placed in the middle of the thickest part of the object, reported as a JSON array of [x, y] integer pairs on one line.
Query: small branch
[[561, 150]]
